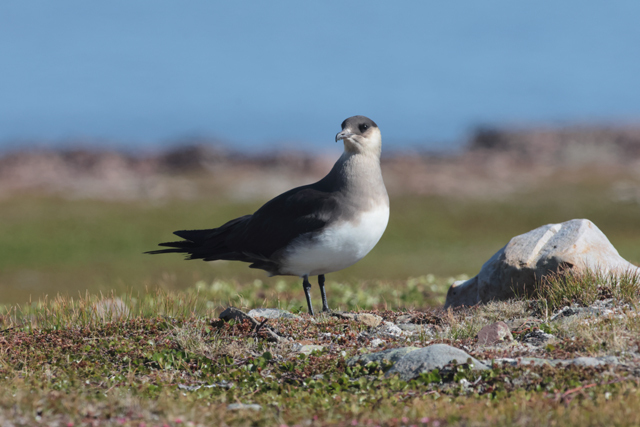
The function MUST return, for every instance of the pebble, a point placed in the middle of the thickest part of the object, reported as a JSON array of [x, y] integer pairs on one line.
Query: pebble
[[495, 333]]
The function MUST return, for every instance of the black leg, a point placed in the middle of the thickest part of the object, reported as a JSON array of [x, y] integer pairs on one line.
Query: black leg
[[307, 288], [325, 304]]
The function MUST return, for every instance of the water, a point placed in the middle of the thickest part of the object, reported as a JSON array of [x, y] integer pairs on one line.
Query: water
[[262, 74]]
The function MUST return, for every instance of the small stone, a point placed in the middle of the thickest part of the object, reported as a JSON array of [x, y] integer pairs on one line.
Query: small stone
[[376, 342], [272, 313], [389, 329], [392, 355], [537, 338], [526, 361], [565, 312], [405, 318], [602, 304], [310, 348], [367, 319], [189, 387], [411, 327], [427, 359], [233, 313], [493, 334], [343, 315], [581, 312], [243, 406]]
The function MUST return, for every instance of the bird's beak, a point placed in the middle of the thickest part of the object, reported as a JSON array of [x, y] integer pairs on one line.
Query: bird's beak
[[343, 135]]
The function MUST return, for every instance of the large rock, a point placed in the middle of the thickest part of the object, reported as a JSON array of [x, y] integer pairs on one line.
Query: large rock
[[577, 244], [429, 358]]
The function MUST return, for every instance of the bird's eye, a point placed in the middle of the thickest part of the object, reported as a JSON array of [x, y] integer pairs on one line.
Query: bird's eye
[[363, 127]]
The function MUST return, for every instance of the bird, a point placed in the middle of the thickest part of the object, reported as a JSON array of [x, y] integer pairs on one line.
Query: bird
[[310, 230]]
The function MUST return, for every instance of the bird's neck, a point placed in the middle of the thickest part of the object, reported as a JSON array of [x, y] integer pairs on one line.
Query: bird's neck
[[358, 175]]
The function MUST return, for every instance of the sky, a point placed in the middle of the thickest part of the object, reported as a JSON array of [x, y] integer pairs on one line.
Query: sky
[[140, 73]]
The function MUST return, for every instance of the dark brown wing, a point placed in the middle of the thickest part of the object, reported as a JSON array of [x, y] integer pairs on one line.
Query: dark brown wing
[[255, 238]]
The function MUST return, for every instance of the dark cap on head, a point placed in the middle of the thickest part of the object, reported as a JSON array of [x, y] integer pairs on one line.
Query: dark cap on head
[[358, 124]]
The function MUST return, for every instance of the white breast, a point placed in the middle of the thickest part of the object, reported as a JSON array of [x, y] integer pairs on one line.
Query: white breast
[[337, 247]]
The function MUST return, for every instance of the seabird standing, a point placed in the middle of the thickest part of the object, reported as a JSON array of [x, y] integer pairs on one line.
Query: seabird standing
[[311, 230]]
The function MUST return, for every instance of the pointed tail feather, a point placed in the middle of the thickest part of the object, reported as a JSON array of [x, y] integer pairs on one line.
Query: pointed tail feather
[[197, 244], [196, 235], [209, 244], [165, 251]]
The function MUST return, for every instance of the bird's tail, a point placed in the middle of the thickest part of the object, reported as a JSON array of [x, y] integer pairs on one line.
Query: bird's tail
[[209, 244]]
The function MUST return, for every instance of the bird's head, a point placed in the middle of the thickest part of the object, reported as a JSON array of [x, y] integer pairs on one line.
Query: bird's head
[[360, 134]]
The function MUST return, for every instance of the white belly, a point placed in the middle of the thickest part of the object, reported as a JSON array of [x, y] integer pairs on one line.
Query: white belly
[[338, 247]]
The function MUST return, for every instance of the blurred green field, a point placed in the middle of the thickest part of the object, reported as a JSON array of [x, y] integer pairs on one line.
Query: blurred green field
[[52, 245]]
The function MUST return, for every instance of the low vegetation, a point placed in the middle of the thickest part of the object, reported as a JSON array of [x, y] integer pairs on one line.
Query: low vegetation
[[166, 359], [95, 333], [583, 289]]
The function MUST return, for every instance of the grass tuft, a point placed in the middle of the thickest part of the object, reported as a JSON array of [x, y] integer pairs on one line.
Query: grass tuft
[[90, 310], [584, 288]]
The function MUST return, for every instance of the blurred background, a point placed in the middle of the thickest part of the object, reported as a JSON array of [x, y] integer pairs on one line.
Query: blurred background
[[121, 122]]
